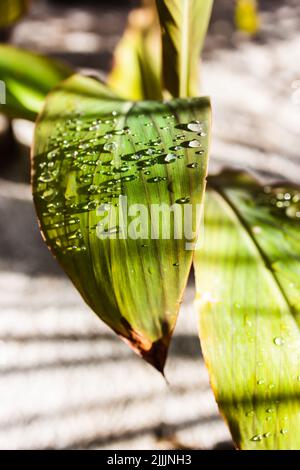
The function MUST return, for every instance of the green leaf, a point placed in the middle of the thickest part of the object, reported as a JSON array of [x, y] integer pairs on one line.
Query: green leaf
[[91, 151], [28, 78], [11, 11], [248, 298], [184, 25], [136, 74]]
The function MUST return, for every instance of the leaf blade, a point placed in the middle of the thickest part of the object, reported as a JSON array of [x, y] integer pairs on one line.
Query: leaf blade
[[184, 24], [136, 73], [27, 87], [248, 325], [11, 11], [155, 269]]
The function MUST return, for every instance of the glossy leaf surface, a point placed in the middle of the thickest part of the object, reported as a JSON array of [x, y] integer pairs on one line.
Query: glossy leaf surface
[[248, 299], [184, 25], [28, 78], [91, 151]]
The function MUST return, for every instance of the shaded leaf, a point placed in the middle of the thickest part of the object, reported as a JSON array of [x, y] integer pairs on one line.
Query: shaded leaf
[[248, 298], [28, 78], [136, 73], [184, 25], [91, 150], [11, 11]]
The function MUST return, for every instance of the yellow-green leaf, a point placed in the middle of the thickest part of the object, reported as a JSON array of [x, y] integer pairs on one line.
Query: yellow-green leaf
[[136, 74], [248, 299], [28, 78], [184, 25], [246, 16], [92, 150], [11, 11]]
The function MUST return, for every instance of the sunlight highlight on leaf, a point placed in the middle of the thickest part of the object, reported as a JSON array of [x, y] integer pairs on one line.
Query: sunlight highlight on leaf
[[100, 166], [248, 300]]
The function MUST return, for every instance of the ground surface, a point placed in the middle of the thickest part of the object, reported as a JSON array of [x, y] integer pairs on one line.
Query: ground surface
[[65, 380]]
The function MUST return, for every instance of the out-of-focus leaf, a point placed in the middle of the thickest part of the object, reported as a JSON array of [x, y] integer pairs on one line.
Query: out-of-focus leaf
[[248, 298], [91, 150], [184, 25], [28, 78], [247, 17], [136, 74], [11, 11]]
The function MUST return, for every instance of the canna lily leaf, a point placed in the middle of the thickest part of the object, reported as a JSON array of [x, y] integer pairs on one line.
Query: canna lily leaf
[[11, 11], [28, 78], [100, 164], [136, 73], [184, 25], [248, 298]]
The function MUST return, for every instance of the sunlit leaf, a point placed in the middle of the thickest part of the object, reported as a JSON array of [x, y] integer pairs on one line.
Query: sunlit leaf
[[11, 11], [248, 298], [184, 25], [28, 78], [247, 17], [136, 73], [91, 151]]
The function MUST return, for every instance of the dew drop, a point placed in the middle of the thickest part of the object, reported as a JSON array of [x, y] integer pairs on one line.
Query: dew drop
[[51, 208], [171, 157], [111, 231], [256, 438], [157, 179], [46, 176], [256, 230], [267, 434], [194, 143], [51, 155], [123, 169], [193, 165], [278, 341], [110, 147], [183, 200], [195, 126], [176, 264], [92, 205], [283, 431], [48, 193], [76, 235]]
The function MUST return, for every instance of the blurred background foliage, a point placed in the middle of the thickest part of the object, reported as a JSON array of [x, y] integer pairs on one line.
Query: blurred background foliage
[[246, 16], [11, 11]]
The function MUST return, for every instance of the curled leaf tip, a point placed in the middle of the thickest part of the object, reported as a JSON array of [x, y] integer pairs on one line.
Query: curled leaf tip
[[157, 354]]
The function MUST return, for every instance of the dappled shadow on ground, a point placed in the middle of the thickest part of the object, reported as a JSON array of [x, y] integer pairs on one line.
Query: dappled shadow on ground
[[21, 246], [65, 382]]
